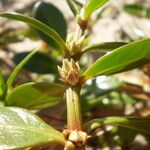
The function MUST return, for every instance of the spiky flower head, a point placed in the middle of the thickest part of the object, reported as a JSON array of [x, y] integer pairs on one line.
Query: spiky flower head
[[74, 43], [70, 72]]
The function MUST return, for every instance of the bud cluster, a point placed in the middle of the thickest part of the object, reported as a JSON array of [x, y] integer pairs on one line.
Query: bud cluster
[[70, 72], [75, 139], [74, 44]]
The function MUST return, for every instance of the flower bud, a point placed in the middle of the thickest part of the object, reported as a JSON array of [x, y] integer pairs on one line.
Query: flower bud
[[70, 72], [76, 139], [74, 44]]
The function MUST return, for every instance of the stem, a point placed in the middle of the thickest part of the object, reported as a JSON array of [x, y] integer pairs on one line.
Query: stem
[[74, 117]]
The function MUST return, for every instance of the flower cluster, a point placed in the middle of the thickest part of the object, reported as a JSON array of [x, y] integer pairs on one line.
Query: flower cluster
[[74, 44], [70, 72], [75, 140]]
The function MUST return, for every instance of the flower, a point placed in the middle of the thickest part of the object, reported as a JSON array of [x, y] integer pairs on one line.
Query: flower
[[70, 72]]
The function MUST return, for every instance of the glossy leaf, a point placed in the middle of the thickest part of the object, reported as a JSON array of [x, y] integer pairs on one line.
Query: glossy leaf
[[38, 25], [124, 58], [39, 63], [137, 10], [53, 18], [20, 129], [35, 95], [140, 124], [91, 6], [107, 46], [18, 68]]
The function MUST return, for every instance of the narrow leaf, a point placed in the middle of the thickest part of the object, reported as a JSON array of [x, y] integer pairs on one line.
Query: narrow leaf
[[140, 124], [18, 68], [72, 6], [35, 95], [91, 6], [53, 18], [20, 129], [38, 25], [78, 4], [123, 58], [107, 46], [39, 63]]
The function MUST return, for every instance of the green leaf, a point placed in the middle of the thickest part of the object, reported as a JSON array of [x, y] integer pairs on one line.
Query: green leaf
[[39, 63], [53, 18], [123, 58], [20, 128], [136, 123], [72, 6], [75, 6], [78, 5], [18, 68], [107, 46], [38, 25], [91, 6], [35, 95], [137, 10]]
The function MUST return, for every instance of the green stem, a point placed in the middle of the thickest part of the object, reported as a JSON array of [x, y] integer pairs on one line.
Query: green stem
[[74, 117]]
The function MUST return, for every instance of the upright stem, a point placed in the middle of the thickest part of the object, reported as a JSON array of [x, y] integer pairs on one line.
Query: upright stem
[[74, 117]]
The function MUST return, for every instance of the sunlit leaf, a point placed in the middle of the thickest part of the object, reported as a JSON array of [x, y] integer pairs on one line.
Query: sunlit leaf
[[38, 25], [91, 6], [18, 68], [123, 58], [20, 128], [35, 95]]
